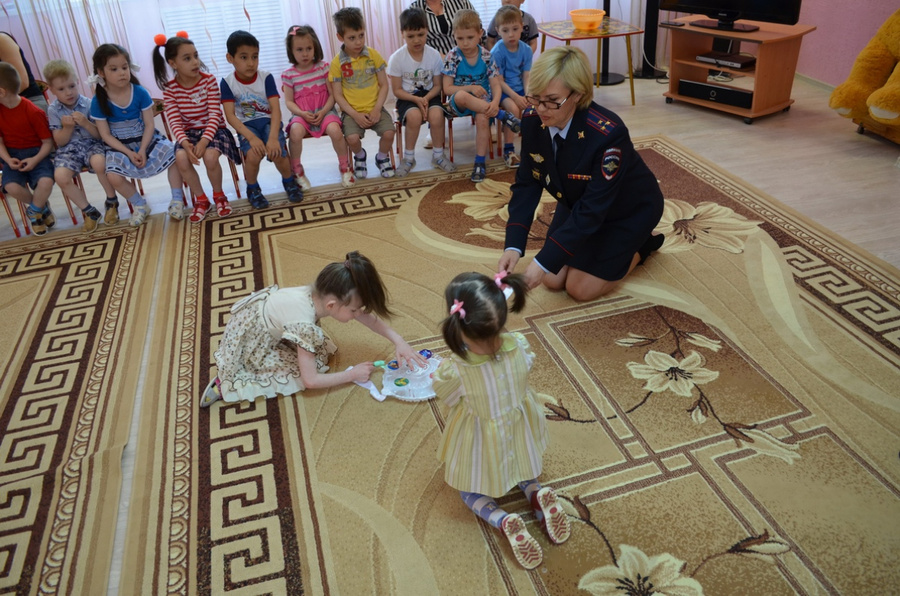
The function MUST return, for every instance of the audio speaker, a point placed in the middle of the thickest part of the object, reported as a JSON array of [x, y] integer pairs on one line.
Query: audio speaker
[[718, 93]]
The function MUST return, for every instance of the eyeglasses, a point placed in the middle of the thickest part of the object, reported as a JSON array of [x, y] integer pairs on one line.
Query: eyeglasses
[[550, 105]]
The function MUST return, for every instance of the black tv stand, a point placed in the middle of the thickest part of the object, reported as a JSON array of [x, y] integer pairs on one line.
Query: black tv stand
[[723, 25]]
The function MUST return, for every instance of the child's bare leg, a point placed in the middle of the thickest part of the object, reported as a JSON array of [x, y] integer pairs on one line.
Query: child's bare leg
[[42, 192], [482, 134], [338, 141], [413, 126], [251, 167], [213, 169], [122, 185], [436, 120], [355, 144], [65, 178], [184, 172], [283, 165], [98, 164], [386, 142], [295, 147], [20, 193]]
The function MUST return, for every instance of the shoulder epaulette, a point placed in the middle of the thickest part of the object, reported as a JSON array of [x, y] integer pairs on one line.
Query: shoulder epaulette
[[598, 120], [529, 111]]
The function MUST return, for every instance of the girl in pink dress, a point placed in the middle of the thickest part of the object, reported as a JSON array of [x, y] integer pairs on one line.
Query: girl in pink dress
[[308, 97]]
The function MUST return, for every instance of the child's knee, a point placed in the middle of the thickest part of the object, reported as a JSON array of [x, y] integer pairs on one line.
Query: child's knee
[[98, 163], [44, 183], [296, 134], [211, 157], [63, 176]]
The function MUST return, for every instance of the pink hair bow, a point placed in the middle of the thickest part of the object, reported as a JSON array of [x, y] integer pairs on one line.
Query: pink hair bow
[[294, 30], [458, 308], [498, 278]]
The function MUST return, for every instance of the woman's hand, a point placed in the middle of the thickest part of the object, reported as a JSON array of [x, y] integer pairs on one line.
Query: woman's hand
[[406, 355], [534, 275], [508, 260]]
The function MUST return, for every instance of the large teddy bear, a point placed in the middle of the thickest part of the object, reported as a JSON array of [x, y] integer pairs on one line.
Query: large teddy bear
[[873, 87]]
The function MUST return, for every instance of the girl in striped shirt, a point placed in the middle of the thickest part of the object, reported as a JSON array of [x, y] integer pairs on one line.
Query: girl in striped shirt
[[307, 96], [495, 433], [193, 109]]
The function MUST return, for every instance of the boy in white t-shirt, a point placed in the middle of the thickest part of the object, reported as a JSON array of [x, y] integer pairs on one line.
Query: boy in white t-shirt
[[416, 80]]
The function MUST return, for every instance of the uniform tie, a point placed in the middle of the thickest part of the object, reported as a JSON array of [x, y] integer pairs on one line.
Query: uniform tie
[[560, 143]]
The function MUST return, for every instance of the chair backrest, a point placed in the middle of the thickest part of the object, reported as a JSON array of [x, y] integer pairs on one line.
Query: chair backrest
[[44, 87], [159, 110]]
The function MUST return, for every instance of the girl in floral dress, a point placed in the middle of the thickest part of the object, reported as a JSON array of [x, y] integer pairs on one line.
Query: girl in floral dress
[[495, 434], [273, 344]]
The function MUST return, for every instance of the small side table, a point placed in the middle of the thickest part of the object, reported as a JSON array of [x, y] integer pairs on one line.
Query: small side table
[[566, 31]]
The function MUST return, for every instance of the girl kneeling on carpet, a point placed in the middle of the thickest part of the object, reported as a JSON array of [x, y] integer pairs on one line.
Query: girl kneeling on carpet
[[193, 108], [273, 343], [495, 434]]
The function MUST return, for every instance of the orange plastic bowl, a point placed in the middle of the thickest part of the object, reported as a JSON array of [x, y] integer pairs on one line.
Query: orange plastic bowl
[[587, 19]]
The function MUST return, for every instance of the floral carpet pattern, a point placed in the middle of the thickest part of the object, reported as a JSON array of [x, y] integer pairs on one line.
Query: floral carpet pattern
[[726, 422]]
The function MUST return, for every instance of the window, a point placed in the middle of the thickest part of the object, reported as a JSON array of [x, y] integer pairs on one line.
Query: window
[[209, 28]]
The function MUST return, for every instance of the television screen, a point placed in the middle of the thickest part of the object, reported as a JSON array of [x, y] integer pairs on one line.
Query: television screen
[[726, 12]]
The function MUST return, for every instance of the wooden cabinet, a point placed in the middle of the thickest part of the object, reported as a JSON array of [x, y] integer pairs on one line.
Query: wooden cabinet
[[776, 48]]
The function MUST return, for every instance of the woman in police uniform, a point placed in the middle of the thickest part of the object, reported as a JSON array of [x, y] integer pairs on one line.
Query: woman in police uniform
[[608, 200]]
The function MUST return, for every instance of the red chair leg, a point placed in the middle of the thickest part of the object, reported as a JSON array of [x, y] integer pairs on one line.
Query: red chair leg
[[235, 178], [9, 215], [25, 219]]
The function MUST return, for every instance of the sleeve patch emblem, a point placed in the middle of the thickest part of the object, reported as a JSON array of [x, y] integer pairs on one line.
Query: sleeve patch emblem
[[612, 161]]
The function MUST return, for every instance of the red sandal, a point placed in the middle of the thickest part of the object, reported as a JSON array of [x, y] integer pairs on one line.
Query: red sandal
[[200, 209], [222, 206]]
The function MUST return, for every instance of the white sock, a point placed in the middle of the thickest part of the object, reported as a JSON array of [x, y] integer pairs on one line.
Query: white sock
[[409, 156], [436, 153]]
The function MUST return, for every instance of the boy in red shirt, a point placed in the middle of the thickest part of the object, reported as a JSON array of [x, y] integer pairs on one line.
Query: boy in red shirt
[[25, 146]]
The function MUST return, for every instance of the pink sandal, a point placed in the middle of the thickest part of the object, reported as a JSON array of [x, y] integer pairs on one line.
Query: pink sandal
[[525, 548], [222, 206], [555, 519], [200, 209]]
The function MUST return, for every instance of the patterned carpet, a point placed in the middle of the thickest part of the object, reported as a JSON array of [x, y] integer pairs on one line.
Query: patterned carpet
[[725, 423]]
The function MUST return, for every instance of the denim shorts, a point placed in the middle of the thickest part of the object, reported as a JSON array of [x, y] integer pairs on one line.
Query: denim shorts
[[459, 110], [44, 169], [261, 127]]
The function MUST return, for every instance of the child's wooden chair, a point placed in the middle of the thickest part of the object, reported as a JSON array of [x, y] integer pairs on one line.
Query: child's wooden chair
[[9, 214], [399, 132]]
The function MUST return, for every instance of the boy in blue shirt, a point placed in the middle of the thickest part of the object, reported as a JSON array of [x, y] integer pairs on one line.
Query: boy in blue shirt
[[251, 103], [472, 83], [529, 33], [513, 58]]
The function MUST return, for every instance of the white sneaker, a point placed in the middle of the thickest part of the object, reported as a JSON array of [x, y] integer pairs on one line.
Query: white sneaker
[[303, 182], [347, 179], [428, 143], [140, 214]]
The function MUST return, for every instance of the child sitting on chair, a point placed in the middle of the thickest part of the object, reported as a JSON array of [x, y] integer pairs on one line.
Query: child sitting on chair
[[25, 146]]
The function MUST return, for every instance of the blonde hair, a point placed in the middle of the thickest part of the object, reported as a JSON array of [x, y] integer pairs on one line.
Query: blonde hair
[[568, 64], [467, 19], [56, 69]]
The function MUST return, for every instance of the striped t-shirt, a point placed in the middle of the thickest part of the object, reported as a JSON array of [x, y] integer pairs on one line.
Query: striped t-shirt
[[308, 88], [197, 107]]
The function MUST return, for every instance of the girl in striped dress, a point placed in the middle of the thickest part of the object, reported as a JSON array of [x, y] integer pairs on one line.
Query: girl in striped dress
[[193, 108], [308, 97], [495, 433]]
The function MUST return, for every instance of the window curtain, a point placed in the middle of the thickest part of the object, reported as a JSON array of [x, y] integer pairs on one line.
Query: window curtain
[[72, 29]]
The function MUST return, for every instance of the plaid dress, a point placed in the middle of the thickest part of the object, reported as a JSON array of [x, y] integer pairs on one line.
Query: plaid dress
[[495, 434]]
